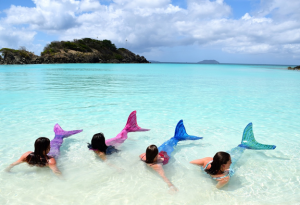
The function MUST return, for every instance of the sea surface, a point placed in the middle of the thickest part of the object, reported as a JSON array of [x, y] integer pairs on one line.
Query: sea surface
[[215, 102]]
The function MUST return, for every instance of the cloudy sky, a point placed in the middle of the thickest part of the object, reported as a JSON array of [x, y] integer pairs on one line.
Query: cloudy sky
[[229, 31]]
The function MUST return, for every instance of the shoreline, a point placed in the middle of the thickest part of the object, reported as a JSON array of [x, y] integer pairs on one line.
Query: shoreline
[[285, 66]]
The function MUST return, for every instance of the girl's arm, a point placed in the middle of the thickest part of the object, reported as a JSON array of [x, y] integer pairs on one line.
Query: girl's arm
[[102, 155], [19, 161], [201, 162], [158, 168], [53, 167], [222, 182]]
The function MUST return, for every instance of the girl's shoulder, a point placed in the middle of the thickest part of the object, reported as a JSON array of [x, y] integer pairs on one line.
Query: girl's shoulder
[[143, 157], [52, 161], [23, 157], [202, 162], [207, 160], [98, 152]]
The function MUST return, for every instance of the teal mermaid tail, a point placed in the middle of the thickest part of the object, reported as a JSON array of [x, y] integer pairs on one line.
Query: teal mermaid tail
[[248, 142], [180, 135]]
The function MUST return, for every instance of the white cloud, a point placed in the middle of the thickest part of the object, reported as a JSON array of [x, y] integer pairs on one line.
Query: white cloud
[[280, 10], [89, 5], [11, 37], [205, 9], [150, 24], [47, 15], [251, 49], [247, 17], [147, 4]]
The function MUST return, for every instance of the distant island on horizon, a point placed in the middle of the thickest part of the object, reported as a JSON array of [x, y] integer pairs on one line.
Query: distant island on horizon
[[290, 67], [84, 50], [209, 62], [201, 62]]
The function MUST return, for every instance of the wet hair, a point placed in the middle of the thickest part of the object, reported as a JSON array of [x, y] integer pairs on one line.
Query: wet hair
[[98, 143], [151, 153], [39, 157], [219, 159]]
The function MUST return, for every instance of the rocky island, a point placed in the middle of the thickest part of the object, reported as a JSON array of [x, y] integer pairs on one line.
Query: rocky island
[[295, 68], [84, 50], [209, 62]]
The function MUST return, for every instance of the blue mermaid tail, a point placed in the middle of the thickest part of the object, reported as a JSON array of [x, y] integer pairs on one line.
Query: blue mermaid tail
[[248, 142], [60, 134], [180, 135]]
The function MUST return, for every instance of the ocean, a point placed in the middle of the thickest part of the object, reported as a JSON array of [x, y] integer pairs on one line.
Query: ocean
[[215, 102]]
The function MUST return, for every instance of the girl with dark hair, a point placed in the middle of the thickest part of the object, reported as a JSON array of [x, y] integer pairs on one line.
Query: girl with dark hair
[[104, 147], [217, 167], [156, 157], [99, 147], [39, 157], [45, 151], [154, 160], [221, 166]]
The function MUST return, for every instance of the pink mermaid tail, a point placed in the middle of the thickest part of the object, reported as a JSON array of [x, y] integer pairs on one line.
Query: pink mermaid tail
[[131, 126], [60, 134]]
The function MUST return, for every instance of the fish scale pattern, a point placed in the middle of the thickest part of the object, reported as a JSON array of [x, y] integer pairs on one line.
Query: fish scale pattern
[[180, 134], [131, 126], [249, 142], [56, 143]]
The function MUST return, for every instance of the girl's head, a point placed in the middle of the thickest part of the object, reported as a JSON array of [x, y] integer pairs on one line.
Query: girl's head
[[151, 153], [98, 143], [221, 162], [41, 146], [39, 156]]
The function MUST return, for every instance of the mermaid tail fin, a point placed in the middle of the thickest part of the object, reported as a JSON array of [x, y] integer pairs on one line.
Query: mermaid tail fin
[[59, 132], [180, 133], [249, 142], [131, 125]]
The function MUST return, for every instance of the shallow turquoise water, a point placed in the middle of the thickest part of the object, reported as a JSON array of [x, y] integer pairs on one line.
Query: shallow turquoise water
[[214, 101]]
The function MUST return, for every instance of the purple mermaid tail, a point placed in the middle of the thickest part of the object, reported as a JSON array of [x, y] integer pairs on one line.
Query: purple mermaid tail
[[60, 134], [131, 126]]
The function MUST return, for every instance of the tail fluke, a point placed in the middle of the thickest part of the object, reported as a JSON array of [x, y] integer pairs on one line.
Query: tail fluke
[[131, 125], [59, 132], [249, 142], [180, 133]]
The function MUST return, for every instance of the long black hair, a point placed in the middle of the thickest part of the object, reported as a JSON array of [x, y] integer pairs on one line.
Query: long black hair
[[219, 159], [151, 153], [39, 157], [98, 143]]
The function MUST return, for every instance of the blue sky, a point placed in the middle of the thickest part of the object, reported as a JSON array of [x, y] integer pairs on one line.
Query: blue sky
[[229, 31]]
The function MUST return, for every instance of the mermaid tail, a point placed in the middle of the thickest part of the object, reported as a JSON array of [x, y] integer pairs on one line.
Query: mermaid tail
[[131, 126], [248, 142], [167, 147], [60, 134]]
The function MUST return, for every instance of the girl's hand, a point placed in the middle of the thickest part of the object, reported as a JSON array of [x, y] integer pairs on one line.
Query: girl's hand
[[160, 159], [173, 189]]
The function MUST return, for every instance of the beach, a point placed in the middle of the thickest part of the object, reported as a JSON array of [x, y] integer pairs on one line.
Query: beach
[[215, 102]]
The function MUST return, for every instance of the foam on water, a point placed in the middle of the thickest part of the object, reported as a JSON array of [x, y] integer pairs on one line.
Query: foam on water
[[215, 101]]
